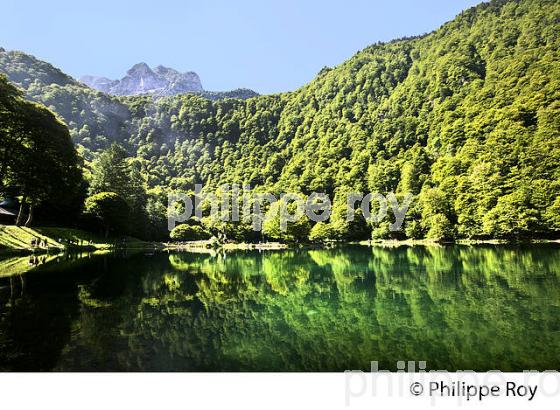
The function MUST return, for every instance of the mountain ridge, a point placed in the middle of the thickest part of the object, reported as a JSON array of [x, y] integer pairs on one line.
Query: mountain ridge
[[24, 69]]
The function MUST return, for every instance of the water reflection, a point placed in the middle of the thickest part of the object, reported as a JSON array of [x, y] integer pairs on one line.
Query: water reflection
[[456, 307]]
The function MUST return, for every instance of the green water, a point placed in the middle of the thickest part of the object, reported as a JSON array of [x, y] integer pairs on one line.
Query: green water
[[455, 307]]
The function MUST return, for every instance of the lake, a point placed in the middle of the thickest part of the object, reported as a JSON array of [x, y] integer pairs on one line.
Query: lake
[[456, 307]]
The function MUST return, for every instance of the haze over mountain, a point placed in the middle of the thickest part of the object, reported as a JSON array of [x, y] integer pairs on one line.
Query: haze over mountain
[[141, 79]]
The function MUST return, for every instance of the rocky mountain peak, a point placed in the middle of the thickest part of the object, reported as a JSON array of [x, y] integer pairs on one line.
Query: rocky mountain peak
[[140, 69], [162, 70], [141, 79]]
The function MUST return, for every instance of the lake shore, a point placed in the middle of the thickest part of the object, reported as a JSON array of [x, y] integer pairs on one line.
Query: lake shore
[[210, 245], [429, 242], [19, 240], [16, 240]]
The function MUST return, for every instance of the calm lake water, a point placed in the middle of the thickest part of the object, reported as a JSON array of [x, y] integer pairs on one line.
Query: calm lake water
[[455, 307]]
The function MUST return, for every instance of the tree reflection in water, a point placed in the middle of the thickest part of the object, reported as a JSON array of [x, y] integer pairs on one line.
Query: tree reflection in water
[[455, 307]]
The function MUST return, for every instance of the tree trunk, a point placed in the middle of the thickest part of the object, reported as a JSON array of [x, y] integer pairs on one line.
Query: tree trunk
[[21, 212], [29, 217]]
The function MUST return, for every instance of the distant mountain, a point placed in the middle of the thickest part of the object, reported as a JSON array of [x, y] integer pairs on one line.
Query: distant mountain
[[29, 73], [95, 118], [141, 79]]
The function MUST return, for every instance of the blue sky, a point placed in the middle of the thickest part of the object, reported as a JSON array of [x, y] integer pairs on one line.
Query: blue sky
[[269, 46]]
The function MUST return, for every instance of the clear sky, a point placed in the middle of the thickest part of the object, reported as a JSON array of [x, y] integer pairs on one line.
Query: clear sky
[[268, 46]]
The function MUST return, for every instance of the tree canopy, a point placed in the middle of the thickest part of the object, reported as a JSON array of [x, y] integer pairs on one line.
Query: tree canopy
[[38, 160], [466, 119]]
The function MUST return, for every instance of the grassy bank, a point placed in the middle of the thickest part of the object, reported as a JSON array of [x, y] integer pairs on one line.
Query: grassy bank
[[14, 239], [18, 240]]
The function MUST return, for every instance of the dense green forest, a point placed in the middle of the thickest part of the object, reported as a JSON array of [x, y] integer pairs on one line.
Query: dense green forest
[[466, 118]]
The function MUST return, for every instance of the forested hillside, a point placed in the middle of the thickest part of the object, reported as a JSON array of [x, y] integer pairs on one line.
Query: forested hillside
[[466, 118]]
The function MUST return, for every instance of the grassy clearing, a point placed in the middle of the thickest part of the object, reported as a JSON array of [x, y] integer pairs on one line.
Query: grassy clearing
[[18, 239]]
